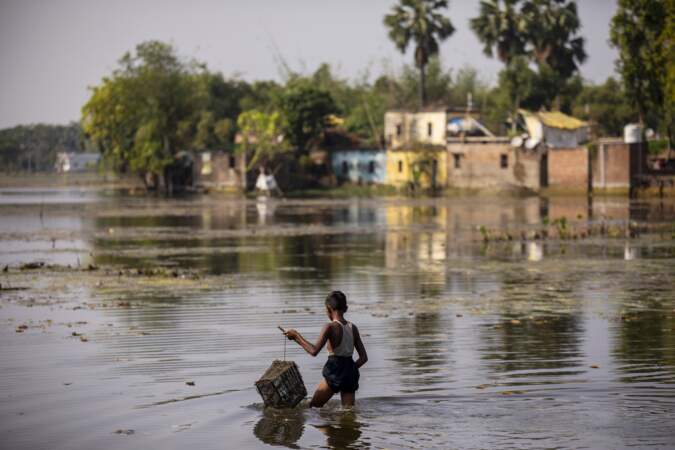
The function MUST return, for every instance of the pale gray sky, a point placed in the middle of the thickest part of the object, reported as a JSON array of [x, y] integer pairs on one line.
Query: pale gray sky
[[52, 50]]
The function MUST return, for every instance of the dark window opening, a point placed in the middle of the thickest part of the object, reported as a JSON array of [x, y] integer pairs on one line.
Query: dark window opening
[[400, 166], [504, 161], [345, 167], [458, 160], [430, 129], [371, 167], [398, 129], [232, 162]]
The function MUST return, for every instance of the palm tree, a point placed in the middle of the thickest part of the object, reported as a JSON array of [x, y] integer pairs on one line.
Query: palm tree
[[419, 21], [553, 41], [501, 28], [552, 28]]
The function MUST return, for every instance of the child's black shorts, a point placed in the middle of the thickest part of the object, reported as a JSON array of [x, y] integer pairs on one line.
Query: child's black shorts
[[341, 374]]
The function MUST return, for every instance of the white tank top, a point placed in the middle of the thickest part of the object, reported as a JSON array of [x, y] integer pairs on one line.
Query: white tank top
[[346, 347]]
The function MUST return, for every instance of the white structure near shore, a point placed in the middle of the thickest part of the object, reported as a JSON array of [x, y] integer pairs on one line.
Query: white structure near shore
[[76, 162]]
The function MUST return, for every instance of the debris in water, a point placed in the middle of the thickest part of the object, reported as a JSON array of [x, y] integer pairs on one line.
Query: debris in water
[[190, 383], [595, 366], [125, 432]]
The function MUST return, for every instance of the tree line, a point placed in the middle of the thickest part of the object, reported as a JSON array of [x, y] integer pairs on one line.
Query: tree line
[[157, 103]]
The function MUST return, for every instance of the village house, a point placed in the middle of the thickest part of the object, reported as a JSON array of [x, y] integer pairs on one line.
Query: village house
[[220, 170], [359, 165], [452, 148], [416, 154], [560, 139], [351, 160]]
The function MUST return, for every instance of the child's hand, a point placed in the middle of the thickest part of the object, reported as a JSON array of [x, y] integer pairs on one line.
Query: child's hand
[[292, 335]]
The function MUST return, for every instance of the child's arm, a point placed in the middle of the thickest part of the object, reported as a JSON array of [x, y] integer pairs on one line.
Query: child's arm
[[309, 348], [360, 348]]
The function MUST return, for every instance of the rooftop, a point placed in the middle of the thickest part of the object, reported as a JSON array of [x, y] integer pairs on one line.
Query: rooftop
[[556, 119]]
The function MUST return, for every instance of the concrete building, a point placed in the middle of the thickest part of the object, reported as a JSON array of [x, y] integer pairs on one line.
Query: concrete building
[[359, 166], [406, 129], [220, 170], [425, 167]]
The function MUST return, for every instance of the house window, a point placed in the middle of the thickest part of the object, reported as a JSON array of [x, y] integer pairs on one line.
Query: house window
[[430, 129], [400, 166], [371, 167], [398, 130], [345, 167], [503, 161], [232, 162], [458, 160]]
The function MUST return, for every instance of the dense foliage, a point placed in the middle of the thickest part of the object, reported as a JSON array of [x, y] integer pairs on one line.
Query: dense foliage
[[34, 147], [644, 33]]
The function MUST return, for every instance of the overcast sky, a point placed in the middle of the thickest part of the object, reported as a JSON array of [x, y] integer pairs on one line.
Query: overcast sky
[[52, 50]]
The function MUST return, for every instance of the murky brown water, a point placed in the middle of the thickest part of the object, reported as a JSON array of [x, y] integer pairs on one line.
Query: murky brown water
[[513, 343]]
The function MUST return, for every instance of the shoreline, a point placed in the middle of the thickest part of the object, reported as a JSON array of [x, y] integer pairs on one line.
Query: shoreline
[[133, 184]]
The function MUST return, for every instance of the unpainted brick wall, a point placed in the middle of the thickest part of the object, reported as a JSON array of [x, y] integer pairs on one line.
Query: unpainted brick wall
[[568, 168]]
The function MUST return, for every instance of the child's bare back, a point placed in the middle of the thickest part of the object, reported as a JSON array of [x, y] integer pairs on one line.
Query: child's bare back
[[341, 372]]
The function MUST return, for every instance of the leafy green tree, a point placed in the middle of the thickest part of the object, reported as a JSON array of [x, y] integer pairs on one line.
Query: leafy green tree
[[606, 106], [305, 108], [145, 112], [668, 41], [642, 31], [215, 127], [262, 136], [419, 21], [263, 96]]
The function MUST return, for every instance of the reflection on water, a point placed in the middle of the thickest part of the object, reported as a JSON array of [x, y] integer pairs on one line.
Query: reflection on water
[[340, 427], [280, 427], [513, 342]]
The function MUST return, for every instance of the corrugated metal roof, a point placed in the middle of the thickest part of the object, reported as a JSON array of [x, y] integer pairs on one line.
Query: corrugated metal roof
[[556, 119]]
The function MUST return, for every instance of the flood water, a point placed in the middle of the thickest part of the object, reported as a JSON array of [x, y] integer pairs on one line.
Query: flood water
[[511, 343]]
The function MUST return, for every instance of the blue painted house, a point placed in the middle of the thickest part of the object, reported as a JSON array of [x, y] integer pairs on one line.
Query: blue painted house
[[359, 165]]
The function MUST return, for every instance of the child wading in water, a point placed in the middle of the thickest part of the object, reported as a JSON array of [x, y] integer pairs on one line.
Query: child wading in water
[[341, 372]]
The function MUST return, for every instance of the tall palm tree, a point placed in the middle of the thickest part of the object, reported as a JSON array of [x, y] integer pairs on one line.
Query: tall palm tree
[[501, 27], [553, 41], [552, 35], [419, 21]]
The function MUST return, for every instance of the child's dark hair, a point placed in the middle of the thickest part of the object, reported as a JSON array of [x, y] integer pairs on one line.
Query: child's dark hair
[[337, 300]]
